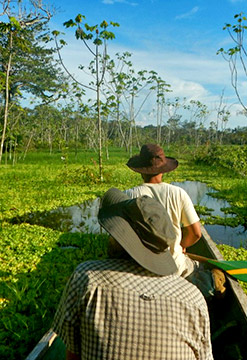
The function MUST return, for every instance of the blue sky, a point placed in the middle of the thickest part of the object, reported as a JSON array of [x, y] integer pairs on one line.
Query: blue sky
[[178, 39]]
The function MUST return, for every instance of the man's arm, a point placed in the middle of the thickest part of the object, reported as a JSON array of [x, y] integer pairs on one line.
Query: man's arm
[[191, 234], [71, 356]]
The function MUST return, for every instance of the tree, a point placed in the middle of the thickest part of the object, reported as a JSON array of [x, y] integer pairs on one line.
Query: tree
[[115, 87], [44, 125], [198, 113], [161, 87], [171, 108], [122, 86], [131, 89], [222, 117], [99, 35], [135, 83], [236, 56], [173, 124], [27, 65], [14, 135]]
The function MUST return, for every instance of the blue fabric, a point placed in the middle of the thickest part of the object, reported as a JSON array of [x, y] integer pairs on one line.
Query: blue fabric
[[202, 278]]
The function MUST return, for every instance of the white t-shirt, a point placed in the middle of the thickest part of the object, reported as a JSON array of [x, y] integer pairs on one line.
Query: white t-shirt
[[180, 209]]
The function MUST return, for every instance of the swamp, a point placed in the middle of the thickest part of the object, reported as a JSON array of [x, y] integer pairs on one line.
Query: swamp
[[48, 225], [65, 138]]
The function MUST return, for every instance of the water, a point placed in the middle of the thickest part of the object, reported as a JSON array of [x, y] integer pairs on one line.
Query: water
[[233, 236], [83, 217], [200, 195], [76, 218]]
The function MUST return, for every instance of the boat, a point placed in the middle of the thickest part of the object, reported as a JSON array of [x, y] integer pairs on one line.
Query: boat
[[228, 318]]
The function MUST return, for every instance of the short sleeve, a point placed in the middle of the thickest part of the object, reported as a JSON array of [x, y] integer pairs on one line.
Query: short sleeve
[[188, 214]]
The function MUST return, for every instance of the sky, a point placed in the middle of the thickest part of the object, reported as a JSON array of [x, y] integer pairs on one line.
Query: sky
[[178, 39]]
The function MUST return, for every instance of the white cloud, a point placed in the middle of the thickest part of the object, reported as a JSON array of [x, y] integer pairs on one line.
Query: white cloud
[[189, 89], [191, 68], [112, 2], [191, 76], [188, 14]]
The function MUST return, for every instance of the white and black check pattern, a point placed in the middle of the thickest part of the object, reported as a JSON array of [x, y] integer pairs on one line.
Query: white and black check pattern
[[116, 310]]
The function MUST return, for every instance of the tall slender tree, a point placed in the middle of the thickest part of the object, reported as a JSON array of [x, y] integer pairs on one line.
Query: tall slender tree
[[98, 35], [236, 55]]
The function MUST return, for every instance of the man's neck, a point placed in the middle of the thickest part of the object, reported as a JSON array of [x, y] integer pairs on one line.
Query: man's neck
[[156, 179]]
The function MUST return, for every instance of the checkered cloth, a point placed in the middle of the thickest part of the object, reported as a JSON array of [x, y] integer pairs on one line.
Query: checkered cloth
[[116, 310]]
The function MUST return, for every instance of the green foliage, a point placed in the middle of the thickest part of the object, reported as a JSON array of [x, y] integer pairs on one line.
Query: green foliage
[[231, 221], [37, 261], [32, 67], [231, 163], [236, 54], [90, 32], [233, 158], [236, 32]]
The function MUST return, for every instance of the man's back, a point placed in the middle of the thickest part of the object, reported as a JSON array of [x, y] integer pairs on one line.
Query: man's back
[[174, 199], [117, 310], [178, 206]]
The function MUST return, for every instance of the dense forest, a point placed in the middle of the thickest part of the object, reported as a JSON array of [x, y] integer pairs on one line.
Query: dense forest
[[48, 127]]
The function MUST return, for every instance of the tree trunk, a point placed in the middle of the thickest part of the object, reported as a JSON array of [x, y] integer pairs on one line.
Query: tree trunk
[[124, 141], [27, 146], [76, 140], [50, 143], [6, 152], [131, 125], [158, 137], [99, 116], [6, 100], [15, 152]]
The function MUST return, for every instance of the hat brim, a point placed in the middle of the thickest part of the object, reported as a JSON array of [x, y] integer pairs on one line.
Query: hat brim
[[134, 164], [162, 263]]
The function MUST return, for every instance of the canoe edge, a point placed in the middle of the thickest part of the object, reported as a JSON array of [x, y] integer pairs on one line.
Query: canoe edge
[[43, 345]]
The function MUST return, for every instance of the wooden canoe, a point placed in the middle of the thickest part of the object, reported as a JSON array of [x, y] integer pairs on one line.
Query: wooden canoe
[[228, 315], [228, 318]]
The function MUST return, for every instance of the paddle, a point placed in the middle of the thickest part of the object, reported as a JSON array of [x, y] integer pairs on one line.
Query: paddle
[[235, 268]]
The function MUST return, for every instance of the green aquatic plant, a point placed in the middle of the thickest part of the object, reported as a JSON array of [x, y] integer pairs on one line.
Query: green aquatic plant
[[36, 261], [203, 210]]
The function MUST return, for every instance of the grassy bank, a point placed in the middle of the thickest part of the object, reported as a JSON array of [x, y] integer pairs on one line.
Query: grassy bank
[[34, 263]]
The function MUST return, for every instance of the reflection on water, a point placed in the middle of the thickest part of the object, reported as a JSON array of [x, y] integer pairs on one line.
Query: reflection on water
[[83, 218], [200, 195], [233, 236], [77, 218]]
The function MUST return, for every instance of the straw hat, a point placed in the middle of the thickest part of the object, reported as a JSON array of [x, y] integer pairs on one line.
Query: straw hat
[[152, 160], [142, 227]]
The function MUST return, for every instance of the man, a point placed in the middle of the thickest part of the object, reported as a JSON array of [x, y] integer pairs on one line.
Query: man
[[152, 163], [133, 306]]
